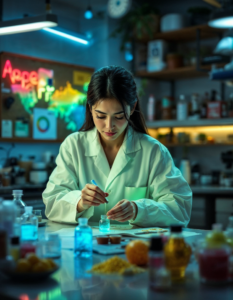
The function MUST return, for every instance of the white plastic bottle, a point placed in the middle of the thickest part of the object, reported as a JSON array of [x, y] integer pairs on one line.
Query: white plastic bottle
[[17, 194], [29, 226], [185, 170], [182, 109], [151, 108]]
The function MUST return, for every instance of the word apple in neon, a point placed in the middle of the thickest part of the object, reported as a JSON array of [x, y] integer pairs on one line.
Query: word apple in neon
[[27, 79]]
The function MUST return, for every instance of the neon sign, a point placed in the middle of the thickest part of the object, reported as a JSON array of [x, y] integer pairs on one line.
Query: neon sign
[[27, 79]]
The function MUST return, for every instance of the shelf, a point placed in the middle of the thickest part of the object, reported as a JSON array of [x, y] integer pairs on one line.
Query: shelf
[[29, 140], [196, 145], [179, 73], [189, 123], [185, 34]]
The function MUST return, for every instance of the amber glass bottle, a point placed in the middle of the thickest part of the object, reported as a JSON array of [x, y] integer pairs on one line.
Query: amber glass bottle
[[177, 253]]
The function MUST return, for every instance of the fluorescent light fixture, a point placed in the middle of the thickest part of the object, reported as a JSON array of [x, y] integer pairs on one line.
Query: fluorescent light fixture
[[68, 36], [222, 19], [28, 24]]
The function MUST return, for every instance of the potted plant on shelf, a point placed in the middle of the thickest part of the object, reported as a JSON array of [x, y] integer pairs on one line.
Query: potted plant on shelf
[[141, 22]]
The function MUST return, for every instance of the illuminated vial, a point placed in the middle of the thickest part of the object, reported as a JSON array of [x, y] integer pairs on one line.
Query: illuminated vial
[[104, 223]]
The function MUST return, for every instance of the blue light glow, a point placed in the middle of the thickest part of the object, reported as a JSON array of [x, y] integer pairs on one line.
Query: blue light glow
[[226, 22], [67, 36], [88, 14]]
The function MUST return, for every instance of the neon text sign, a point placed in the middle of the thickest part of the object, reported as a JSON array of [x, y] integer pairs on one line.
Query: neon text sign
[[27, 79]]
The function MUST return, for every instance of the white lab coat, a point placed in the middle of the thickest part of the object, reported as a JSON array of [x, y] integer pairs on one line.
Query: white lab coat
[[143, 171]]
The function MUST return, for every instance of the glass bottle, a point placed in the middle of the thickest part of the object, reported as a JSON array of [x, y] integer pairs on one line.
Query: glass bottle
[[83, 239], [204, 106], [214, 257], [17, 194], [29, 225], [177, 253], [182, 109], [104, 223], [159, 277]]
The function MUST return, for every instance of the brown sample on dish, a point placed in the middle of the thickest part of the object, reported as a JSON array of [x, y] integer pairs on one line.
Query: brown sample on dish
[[102, 240], [115, 239]]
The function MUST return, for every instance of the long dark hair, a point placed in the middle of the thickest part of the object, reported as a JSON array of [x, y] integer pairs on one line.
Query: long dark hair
[[114, 82]]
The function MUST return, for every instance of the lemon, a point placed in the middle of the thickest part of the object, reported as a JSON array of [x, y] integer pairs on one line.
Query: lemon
[[23, 266]]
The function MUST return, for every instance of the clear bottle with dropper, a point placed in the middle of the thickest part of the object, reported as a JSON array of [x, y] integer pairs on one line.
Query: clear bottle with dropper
[[17, 194], [104, 223]]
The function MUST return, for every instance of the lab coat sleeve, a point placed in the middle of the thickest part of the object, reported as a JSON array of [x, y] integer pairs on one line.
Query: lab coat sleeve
[[62, 192], [170, 197]]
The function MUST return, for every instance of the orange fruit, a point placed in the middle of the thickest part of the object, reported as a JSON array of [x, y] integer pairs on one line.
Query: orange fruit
[[137, 252], [41, 266], [32, 259], [23, 266], [51, 263]]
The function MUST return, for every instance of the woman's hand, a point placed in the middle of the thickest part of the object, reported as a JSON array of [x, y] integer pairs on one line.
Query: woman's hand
[[91, 195], [123, 211]]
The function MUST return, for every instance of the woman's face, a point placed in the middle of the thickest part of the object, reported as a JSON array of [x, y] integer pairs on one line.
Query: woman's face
[[108, 117]]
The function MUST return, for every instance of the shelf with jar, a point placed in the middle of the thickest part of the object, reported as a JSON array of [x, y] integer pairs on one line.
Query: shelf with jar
[[198, 136]]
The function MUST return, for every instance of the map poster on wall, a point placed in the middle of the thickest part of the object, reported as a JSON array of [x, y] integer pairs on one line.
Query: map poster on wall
[[27, 83], [44, 124]]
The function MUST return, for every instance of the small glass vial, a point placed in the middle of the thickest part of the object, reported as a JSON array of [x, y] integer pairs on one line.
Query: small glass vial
[[159, 277], [52, 246], [37, 213], [104, 223], [17, 194], [29, 227], [15, 248], [83, 239]]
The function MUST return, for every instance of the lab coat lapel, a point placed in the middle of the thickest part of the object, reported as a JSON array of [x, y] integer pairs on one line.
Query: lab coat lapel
[[95, 149], [125, 154]]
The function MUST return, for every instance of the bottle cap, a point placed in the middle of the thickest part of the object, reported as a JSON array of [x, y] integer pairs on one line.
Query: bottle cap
[[156, 243], [28, 209], [17, 192], [217, 227], [14, 240], [176, 228], [82, 221], [104, 217]]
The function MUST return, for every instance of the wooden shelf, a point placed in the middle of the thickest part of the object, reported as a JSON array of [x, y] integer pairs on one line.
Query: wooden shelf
[[29, 140], [196, 145], [175, 74], [190, 123], [185, 34]]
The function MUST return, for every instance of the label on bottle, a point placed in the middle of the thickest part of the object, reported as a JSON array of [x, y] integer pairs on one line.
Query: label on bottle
[[182, 111]]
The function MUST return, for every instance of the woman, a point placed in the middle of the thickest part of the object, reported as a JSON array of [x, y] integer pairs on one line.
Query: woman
[[133, 170]]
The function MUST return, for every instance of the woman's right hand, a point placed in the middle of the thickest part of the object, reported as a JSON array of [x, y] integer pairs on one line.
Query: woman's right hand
[[91, 195]]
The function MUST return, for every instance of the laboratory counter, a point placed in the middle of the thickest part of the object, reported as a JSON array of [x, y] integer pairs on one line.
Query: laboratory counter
[[72, 282]]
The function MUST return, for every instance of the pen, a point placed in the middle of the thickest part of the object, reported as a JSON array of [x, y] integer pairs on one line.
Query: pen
[[93, 182]]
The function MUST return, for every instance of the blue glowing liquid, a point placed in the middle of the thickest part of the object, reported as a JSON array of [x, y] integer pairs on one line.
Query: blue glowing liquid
[[29, 232], [104, 225], [83, 241]]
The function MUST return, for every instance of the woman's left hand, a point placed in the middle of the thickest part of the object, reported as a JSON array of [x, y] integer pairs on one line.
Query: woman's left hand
[[123, 211]]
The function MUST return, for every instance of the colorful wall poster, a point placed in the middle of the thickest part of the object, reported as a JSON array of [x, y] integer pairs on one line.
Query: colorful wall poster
[[44, 124]]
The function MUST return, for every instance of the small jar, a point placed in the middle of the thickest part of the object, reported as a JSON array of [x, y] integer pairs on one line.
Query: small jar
[[37, 213], [104, 223], [51, 246], [174, 60]]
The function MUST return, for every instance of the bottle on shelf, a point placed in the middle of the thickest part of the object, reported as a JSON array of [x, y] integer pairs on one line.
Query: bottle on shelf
[[185, 170], [167, 108], [151, 108], [195, 109], [230, 106], [83, 239], [177, 253], [29, 225], [50, 166], [204, 106], [214, 107], [17, 194], [182, 109]]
